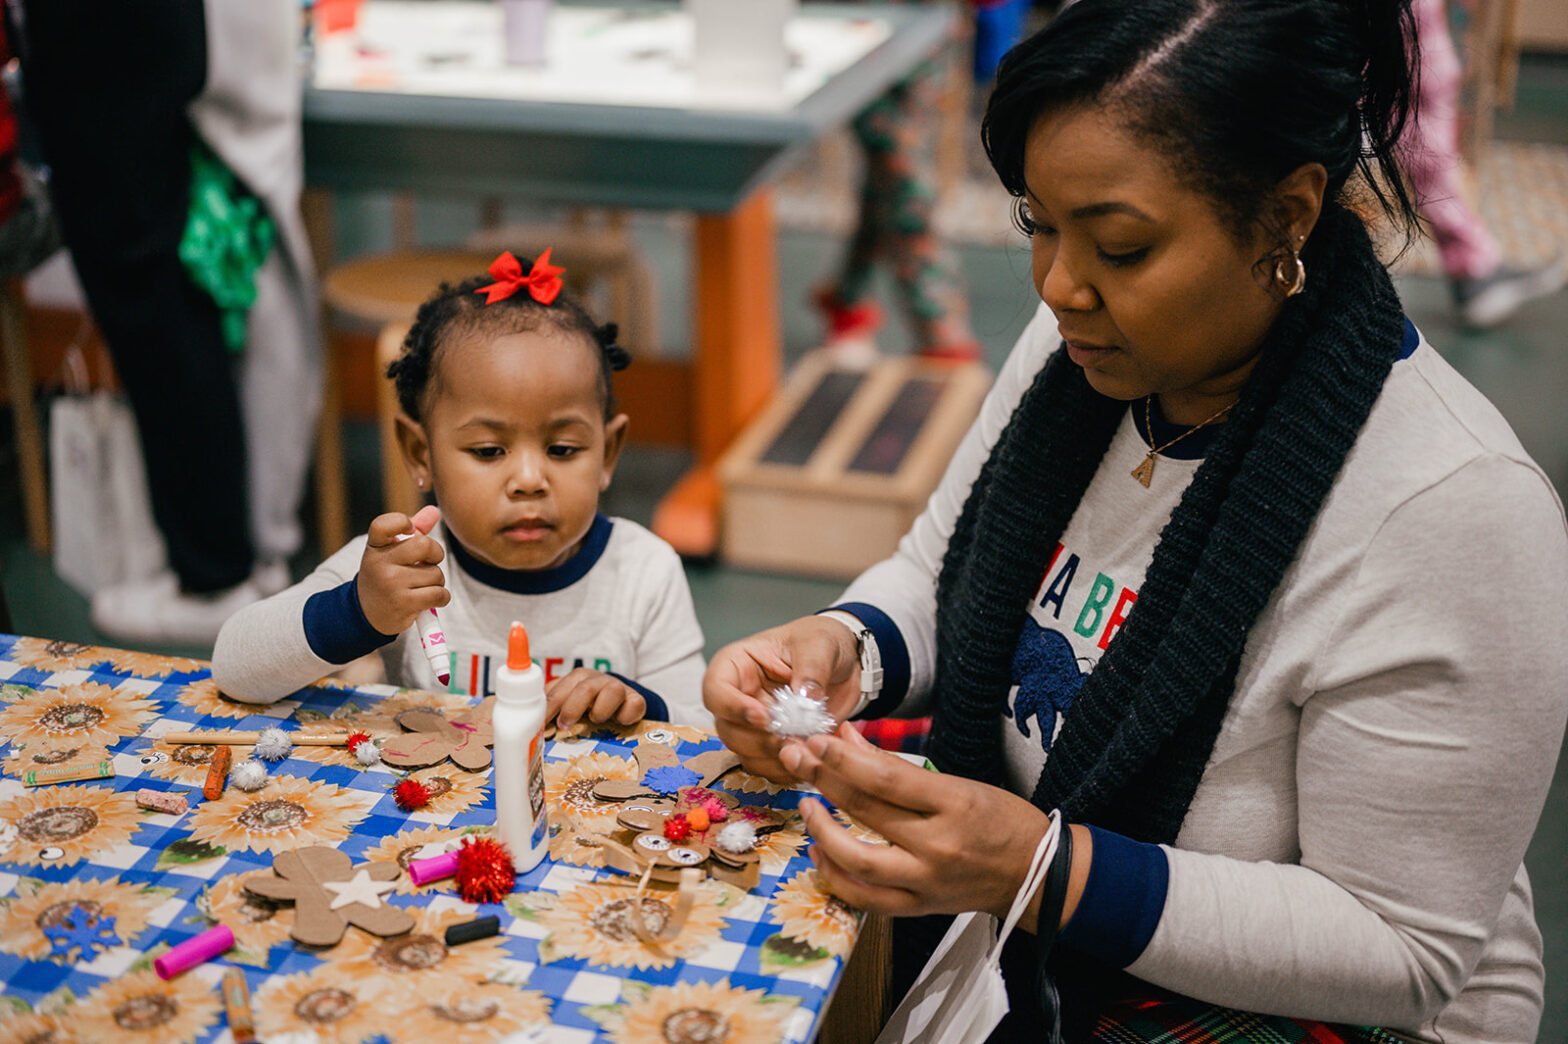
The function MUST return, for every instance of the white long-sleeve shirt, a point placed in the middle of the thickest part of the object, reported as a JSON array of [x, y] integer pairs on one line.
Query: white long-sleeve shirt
[[621, 606], [1353, 852]]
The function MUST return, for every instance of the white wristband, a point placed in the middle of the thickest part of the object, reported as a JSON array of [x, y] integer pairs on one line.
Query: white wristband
[[870, 658]]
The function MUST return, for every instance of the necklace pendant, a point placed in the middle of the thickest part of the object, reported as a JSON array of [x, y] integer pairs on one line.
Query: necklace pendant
[[1145, 472]]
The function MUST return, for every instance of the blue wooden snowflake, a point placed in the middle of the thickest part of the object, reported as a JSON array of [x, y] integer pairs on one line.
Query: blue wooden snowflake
[[669, 779], [83, 931]]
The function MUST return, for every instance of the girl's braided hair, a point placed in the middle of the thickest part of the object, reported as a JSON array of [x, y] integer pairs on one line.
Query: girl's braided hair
[[456, 311]]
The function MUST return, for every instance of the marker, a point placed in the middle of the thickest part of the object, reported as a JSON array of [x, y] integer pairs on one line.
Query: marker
[[191, 952], [431, 638]]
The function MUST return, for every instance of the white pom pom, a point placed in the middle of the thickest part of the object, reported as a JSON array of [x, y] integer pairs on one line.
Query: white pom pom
[[737, 838], [367, 753], [273, 745], [249, 774], [795, 713]]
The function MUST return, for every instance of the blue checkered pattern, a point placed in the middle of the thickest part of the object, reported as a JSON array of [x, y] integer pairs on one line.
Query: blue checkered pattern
[[573, 984]]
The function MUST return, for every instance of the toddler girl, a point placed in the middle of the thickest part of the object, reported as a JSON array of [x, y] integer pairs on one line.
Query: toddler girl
[[508, 416]]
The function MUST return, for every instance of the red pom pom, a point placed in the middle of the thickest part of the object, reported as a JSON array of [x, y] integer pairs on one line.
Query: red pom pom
[[676, 828], [355, 739], [411, 794], [484, 870]]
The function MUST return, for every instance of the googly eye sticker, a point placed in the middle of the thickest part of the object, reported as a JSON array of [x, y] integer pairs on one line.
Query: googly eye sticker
[[685, 856], [653, 842], [154, 757], [659, 736], [51, 853]]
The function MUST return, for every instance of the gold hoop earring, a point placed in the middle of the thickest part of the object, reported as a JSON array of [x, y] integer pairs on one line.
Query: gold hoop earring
[[1292, 275]]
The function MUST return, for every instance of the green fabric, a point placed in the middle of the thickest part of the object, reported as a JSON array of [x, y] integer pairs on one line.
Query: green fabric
[[227, 237]]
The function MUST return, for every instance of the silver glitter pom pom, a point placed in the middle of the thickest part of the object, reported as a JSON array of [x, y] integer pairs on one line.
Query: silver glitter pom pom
[[249, 774], [793, 712], [273, 745], [367, 753], [737, 838]]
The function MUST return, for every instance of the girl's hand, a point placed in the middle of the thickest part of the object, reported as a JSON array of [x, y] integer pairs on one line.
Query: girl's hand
[[956, 844], [598, 695], [398, 574], [812, 653]]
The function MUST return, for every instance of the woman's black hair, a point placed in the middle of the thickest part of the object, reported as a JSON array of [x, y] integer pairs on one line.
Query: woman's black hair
[[457, 310], [1235, 93]]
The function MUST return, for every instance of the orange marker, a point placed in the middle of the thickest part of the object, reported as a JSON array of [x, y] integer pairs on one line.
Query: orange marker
[[217, 773]]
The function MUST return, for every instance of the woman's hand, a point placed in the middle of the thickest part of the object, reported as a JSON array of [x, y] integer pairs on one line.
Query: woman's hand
[[956, 844], [813, 653], [398, 574]]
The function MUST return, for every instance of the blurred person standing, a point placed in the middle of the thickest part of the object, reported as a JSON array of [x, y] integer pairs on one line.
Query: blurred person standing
[[121, 96]]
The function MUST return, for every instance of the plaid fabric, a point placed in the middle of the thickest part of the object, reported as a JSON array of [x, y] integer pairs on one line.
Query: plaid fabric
[[1181, 1020], [907, 736]]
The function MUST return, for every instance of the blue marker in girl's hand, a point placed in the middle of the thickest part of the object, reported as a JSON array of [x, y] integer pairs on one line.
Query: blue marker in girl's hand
[[431, 638]]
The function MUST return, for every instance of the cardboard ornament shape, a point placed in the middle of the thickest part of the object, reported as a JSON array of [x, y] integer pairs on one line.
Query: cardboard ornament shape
[[432, 738]]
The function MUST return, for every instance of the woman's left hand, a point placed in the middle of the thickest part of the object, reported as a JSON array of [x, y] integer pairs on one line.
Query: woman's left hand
[[955, 844]]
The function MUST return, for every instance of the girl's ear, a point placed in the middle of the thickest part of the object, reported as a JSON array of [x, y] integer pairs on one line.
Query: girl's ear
[[415, 444], [614, 439]]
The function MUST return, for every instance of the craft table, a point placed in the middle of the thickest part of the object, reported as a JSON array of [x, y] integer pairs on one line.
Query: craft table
[[617, 120], [92, 888]]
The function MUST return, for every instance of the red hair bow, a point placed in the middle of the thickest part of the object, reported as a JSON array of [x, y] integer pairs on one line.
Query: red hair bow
[[543, 280]]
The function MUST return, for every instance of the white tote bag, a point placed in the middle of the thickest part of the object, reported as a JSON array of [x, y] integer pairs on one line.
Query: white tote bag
[[103, 527], [960, 996]]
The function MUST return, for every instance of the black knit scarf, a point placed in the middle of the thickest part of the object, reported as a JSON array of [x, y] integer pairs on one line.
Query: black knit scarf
[[1138, 737]]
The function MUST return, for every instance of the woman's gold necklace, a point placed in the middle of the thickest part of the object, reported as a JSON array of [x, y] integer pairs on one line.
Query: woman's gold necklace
[[1144, 472]]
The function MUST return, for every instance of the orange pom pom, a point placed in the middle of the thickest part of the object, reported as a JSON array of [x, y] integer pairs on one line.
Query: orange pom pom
[[697, 818]]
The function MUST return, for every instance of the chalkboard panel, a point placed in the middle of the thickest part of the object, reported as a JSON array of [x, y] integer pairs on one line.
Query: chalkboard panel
[[887, 446], [800, 438]]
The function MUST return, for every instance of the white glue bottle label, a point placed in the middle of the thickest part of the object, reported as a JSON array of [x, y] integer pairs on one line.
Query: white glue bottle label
[[518, 723]]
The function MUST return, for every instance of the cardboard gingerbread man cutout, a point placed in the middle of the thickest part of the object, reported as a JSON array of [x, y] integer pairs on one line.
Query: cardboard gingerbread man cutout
[[316, 879]]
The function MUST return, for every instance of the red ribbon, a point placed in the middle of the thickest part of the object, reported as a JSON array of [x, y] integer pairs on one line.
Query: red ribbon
[[543, 280]]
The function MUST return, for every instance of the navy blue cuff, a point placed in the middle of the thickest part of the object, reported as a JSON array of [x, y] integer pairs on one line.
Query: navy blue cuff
[[1122, 900], [335, 625], [894, 653], [657, 710]]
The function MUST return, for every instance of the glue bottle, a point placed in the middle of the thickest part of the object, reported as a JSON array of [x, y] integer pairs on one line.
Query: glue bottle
[[518, 724]]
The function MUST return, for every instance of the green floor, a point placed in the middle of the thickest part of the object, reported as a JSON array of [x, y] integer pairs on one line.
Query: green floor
[[1522, 367]]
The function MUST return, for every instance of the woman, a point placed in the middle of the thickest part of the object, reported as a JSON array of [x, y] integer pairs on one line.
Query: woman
[[1233, 569]]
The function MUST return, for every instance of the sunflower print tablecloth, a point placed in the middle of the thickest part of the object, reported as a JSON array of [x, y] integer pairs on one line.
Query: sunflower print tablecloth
[[92, 887]]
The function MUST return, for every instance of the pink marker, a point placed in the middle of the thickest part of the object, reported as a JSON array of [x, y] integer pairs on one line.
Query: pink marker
[[423, 871], [431, 638], [192, 952], [434, 641]]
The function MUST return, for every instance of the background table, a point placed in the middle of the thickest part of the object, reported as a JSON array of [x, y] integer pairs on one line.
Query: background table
[[764, 963], [651, 142]]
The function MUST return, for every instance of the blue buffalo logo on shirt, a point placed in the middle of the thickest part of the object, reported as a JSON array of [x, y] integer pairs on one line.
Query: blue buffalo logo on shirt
[[1047, 677]]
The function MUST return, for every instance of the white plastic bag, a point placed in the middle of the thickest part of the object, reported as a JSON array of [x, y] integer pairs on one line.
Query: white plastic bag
[[960, 996], [103, 527]]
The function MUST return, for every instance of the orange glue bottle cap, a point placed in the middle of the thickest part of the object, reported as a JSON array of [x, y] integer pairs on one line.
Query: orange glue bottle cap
[[517, 648]]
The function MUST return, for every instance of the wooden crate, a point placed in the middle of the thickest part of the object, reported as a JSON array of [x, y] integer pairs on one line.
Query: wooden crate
[[828, 479]]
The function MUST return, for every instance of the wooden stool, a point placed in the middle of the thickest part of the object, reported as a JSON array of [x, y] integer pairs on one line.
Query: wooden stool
[[384, 289], [24, 413]]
